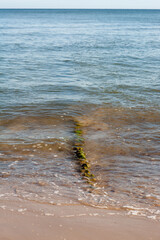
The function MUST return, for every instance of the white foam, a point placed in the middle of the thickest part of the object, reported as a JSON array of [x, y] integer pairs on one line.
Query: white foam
[[157, 212], [133, 212], [56, 192], [68, 216], [152, 217], [22, 209], [49, 214], [132, 207], [3, 207]]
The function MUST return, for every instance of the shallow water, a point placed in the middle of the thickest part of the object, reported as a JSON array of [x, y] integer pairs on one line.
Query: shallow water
[[97, 67]]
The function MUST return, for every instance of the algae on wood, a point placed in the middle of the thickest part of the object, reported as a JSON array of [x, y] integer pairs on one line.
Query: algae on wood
[[80, 155]]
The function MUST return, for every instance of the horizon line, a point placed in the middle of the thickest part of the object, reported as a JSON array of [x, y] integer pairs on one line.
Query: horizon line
[[79, 8]]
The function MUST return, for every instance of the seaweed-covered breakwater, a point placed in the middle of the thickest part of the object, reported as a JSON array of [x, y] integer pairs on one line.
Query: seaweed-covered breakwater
[[84, 165]]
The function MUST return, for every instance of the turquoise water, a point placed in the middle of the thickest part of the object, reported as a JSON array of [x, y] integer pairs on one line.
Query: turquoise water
[[100, 67]]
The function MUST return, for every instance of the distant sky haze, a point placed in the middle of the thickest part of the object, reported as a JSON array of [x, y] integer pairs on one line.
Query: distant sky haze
[[104, 4]]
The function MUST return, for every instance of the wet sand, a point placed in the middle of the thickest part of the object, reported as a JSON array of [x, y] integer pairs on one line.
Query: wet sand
[[73, 223]]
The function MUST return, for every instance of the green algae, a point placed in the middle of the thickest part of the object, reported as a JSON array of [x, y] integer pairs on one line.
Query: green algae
[[79, 153], [78, 132], [81, 156]]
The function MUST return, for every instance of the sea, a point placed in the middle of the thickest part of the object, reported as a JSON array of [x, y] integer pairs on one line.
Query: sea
[[95, 70]]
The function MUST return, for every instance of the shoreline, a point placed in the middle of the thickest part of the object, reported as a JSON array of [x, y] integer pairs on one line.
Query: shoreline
[[72, 222]]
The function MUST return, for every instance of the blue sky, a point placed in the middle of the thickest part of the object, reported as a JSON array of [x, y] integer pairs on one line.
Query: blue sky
[[144, 4]]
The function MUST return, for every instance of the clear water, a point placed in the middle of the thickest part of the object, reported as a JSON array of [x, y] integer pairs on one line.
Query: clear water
[[100, 67]]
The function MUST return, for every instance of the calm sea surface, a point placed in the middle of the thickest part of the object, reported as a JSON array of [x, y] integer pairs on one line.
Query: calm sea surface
[[100, 68]]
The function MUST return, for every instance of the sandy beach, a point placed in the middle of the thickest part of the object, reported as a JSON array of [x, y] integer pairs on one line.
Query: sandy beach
[[72, 222]]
